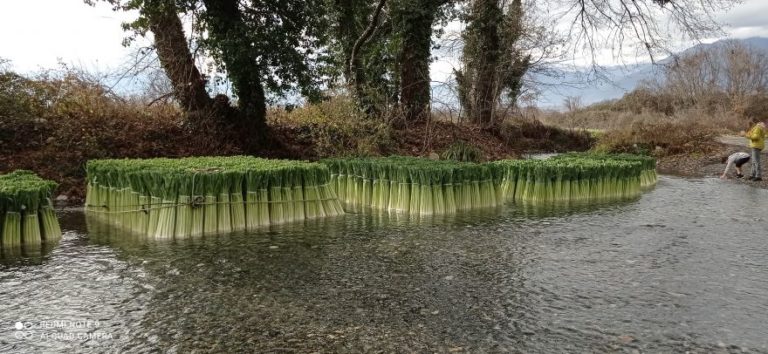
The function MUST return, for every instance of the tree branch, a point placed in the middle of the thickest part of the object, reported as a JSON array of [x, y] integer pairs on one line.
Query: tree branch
[[363, 39]]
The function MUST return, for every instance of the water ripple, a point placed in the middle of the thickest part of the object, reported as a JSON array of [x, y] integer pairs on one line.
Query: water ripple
[[682, 269]]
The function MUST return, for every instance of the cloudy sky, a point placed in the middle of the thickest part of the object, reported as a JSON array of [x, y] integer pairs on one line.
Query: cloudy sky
[[747, 20], [37, 34]]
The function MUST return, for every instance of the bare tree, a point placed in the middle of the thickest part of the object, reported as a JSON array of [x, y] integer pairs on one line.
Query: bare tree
[[692, 78], [572, 105], [649, 25], [729, 72], [746, 70], [554, 30]]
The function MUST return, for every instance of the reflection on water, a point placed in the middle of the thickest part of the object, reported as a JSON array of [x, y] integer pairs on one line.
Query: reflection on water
[[681, 269], [27, 254]]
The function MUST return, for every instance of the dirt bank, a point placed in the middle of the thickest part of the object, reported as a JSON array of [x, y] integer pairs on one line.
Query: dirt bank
[[61, 151], [701, 165]]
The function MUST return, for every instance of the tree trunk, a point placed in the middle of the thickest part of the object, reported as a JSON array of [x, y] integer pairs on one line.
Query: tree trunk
[[346, 31], [175, 58], [482, 58], [355, 72], [492, 63], [415, 92], [226, 26], [485, 92]]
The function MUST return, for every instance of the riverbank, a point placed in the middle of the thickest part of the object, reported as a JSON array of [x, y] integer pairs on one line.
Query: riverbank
[[62, 147], [700, 165]]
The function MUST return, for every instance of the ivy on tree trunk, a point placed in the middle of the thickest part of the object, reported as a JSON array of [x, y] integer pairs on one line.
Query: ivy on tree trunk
[[414, 20], [492, 62], [229, 32], [175, 57]]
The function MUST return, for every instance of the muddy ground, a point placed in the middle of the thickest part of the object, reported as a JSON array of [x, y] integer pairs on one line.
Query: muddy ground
[[700, 165]]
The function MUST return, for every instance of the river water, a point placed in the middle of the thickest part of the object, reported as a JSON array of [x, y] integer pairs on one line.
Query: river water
[[683, 268]]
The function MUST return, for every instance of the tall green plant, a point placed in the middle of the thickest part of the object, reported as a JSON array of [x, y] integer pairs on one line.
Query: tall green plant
[[463, 152]]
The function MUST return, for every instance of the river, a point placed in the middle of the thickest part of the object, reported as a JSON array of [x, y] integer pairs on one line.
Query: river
[[683, 268]]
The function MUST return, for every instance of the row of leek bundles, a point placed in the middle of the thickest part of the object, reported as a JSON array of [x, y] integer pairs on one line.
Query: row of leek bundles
[[207, 195], [413, 185], [293, 193], [355, 181], [648, 176], [562, 180], [596, 180], [26, 213]]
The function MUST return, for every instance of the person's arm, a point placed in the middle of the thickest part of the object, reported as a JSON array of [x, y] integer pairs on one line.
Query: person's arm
[[750, 134], [727, 167]]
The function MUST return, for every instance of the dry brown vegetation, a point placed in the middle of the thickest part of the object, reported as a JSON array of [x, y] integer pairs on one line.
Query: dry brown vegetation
[[692, 130], [707, 93], [53, 124], [337, 128], [660, 139]]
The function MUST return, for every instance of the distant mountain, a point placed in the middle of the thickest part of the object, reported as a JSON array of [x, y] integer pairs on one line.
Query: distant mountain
[[622, 78]]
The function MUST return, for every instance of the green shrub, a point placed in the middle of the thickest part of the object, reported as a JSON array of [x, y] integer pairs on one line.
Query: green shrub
[[462, 152], [334, 128]]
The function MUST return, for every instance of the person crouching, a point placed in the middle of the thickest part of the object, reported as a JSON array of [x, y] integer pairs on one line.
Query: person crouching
[[737, 160]]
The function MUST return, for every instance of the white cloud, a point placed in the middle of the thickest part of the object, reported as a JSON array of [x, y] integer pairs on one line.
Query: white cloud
[[37, 33], [746, 20], [749, 14], [748, 32]]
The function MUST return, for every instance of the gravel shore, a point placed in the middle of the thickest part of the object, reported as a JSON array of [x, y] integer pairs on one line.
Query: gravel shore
[[700, 165]]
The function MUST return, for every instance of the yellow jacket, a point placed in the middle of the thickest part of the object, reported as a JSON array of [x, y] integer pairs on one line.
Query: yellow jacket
[[756, 137]]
